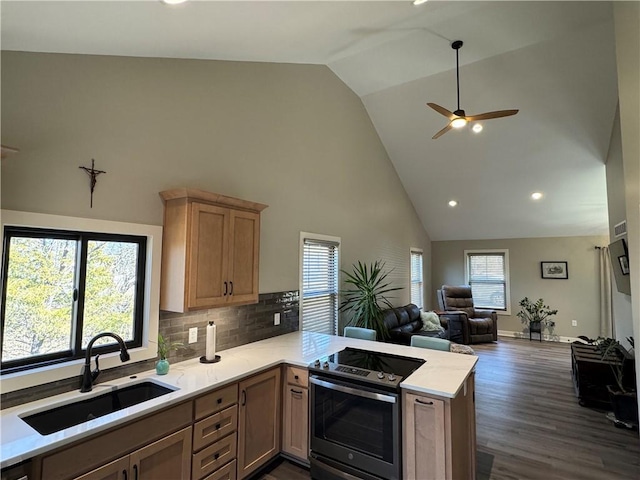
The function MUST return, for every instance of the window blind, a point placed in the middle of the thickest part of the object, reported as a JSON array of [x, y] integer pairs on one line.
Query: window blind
[[416, 278], [320, 286], [488, 280]]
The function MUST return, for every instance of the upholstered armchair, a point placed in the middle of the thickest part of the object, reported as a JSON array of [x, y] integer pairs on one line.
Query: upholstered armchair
[[478, 325]]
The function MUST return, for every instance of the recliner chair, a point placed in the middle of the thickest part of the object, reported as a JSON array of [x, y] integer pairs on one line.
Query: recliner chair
[[481, 325]]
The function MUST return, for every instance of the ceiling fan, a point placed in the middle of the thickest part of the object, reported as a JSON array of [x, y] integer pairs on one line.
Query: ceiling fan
[[458, 118]]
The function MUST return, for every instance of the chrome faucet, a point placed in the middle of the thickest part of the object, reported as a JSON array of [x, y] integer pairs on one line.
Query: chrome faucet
[[89, 377]]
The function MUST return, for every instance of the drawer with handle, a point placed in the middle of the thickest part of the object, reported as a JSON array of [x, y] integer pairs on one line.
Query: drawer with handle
[[215, 401], [214, 456], [214, 427]]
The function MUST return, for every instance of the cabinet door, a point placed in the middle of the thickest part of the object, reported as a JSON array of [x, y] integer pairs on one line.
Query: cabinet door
[[296, 422], [244, 252], [207, 282], [116, 470], [166, 458], [424, 438], [258, 421]]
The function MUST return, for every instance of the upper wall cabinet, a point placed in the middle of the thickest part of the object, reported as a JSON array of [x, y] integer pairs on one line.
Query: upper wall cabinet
[[210, 250]]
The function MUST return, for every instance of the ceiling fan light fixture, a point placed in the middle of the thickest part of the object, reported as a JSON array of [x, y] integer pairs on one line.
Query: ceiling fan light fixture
[[536, 195], [452, 203], [458, 122], [419, 2]]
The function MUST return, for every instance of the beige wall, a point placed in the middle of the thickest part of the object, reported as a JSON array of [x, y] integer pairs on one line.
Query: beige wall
[[291, 136], [627, 27], [576, 298]]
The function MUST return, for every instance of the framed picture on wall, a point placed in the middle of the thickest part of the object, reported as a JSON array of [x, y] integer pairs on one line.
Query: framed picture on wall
[[624, 264], [554, 270]]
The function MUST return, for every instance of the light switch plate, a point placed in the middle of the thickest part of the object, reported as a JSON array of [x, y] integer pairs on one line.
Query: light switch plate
[[276, 318], [193, 335]]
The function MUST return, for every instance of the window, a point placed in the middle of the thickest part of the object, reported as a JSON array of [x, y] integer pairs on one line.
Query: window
[[320, 267], [487, 271], [61, 288], [416, 278]]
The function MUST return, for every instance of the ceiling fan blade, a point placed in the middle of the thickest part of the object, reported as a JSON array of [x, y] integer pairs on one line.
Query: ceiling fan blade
[[490, 115], [441, 110], [442, 132]]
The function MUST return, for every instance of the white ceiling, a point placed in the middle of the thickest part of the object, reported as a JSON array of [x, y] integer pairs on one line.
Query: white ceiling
[[555, 61]]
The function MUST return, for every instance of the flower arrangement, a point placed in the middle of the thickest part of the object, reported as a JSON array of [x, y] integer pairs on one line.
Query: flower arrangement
[[536, 312]]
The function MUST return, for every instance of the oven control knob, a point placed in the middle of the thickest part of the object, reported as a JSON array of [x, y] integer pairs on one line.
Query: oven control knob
[[325, 365], [392, 377], [381, 375], [317, 363]]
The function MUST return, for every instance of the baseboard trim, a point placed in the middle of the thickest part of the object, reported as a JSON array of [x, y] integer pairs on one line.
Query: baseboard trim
[[546, 337]]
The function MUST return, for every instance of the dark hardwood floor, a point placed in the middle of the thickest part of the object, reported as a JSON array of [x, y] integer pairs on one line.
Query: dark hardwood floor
[[529, 423]]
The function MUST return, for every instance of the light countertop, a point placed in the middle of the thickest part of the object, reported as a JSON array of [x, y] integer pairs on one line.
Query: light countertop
[[443, 374]]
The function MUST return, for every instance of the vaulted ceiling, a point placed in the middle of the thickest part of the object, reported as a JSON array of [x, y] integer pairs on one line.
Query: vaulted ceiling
[[555, 61]]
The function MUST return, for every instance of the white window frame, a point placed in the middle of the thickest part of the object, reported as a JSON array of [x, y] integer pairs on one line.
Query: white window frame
[[149, 349], [319, 237], [411, 282], [499, 251]]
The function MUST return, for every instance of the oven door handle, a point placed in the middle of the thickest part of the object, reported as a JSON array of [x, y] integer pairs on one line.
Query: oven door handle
[[354, 391]]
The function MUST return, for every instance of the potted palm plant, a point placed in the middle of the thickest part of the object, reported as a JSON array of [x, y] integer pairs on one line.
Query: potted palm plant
[[536, 315], [623, 395], [366, 299]]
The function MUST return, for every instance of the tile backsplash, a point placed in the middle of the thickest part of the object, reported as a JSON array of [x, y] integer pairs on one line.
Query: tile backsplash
[[235, 326]]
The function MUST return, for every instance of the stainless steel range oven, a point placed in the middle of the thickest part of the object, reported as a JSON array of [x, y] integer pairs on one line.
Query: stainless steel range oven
[[356, 416]]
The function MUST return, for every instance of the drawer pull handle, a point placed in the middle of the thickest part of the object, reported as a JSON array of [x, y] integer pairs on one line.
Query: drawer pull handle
[[216, 456], [219, 401], [217, 426], [423, 403], [296, 377], [298, 392]]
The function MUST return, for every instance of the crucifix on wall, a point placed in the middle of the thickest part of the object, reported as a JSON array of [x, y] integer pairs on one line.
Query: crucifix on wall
[[93, 174]]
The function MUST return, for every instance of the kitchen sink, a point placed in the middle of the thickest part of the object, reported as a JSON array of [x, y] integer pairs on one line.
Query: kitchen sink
[[65, 416]]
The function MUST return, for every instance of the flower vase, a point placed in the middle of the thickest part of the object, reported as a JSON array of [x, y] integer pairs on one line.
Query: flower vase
[[162, 366]]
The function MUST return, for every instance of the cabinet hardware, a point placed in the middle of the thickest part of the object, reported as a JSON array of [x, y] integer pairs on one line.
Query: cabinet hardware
[[296, 377], [135, 472], [75, 294], [217, 426], [231, 292], [219, 401], [244, 398], [225, 289], [299, 392], [216, 456], [423, 403], [124, 474]]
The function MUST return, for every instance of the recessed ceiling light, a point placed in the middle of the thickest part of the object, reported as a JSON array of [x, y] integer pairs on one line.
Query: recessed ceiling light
[[419, 2], [173, 2], [452, 203], [477, 127], [536, 195]]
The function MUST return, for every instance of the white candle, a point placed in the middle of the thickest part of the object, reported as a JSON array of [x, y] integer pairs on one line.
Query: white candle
[[211, 342]]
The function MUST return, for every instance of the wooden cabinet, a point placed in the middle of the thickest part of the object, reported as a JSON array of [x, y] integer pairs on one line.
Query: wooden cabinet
[[438, 431], [169, 457], [258, 421], [155, 443], [214, 435], [210, 251], [295, 414]]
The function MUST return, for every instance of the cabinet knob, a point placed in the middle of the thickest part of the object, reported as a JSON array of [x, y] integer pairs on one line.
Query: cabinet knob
[[217, 426], [219, 401], [296, 377], [216, 456]]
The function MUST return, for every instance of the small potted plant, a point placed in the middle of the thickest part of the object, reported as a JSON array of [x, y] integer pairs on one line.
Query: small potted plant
[[536, 315], [623, 395], [164, 347]]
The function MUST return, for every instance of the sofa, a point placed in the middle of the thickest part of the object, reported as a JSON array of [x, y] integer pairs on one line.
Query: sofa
[[480, 326], [404, 322]]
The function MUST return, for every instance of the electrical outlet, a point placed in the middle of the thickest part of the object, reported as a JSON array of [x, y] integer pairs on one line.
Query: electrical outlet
[[574, 323], [276, 318], [193, 335]]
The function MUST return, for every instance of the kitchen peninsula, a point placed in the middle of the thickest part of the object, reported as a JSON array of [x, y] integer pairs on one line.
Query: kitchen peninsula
[[437, 403]]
